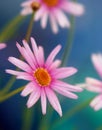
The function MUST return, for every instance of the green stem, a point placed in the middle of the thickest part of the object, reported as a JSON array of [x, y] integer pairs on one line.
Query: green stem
[[9, 95], [70, 113], [12, 80], [27, 118], [9, 30], [68, 46], [30, 27], [8, 85]]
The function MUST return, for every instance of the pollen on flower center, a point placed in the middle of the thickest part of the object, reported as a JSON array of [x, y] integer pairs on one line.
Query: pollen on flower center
[[51, 3], [42, 76]]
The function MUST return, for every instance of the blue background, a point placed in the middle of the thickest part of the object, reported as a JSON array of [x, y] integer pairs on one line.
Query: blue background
[[87, 40]]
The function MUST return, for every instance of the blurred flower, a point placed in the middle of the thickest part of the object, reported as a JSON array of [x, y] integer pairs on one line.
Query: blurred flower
[[2, 45], [44, 76], [95, 85], [54, 10]]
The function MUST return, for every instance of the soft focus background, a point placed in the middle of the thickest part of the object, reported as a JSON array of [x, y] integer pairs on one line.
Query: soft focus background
[[87, 40]]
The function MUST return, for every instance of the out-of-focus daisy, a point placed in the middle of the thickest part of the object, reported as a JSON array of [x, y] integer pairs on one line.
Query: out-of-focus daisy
[[44, 76], [54, 9], [2, 45], [95, 85]]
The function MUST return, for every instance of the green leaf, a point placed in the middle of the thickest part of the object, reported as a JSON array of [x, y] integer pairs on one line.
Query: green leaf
[[10, 28]]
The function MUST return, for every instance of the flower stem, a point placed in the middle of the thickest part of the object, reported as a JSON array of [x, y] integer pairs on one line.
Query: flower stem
[[5, 97], [30, 27], [8, 86], [27, 118], [68, 46], [71, 112]]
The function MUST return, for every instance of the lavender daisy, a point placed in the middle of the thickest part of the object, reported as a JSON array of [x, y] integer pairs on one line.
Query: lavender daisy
[[44, 76], [54, 9], [95, 85]]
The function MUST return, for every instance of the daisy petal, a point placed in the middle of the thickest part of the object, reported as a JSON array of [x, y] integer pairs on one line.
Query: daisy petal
[[98, 106], [53, 100], [20, 64], [41, 56], [28, 50], [64, 72], [20, 75], [35, 95], [26, 11], [67, 86], [64, 92], [39, 13], [53, 23], [93, 85], [73, 8], [96, 100], [52, 55], [27, 3], [97, 62], [43, 101], [61, 18], [28, 89], [44, 20], [55, 64]]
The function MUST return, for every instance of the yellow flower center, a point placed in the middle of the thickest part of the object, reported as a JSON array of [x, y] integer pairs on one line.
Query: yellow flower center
[[51, 3], [42, 76]]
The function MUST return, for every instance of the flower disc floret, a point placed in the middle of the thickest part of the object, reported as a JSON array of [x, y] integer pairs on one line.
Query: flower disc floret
[[42, 77]]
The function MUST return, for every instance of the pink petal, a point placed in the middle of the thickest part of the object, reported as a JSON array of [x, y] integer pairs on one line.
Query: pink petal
[[2, 45], [53, 100], [55, 64], [39, 13], [53, 23], [52, 55], [61, 18], [28, 89], [26, 53], [28, 58], [97, 62], [41, 56], [98, 106], [96, 100], [26, 11], [63, 72], [73, 8], [27, 3], [43, 101], [22, 65], [44, 20], [64, 92], [35, 49], [93, 85], [35, 95], [67, 86], [29, 51], [20, 75]]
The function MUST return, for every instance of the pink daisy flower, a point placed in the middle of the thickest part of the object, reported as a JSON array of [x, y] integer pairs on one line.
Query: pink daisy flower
[[2, 45], [54, 9], [44, 76], [95, 85]]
